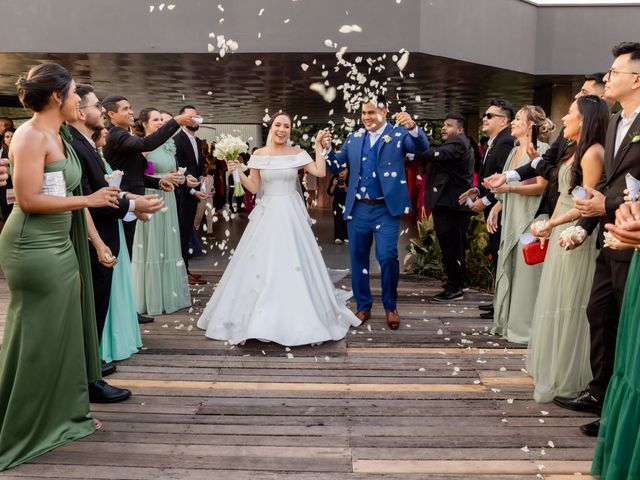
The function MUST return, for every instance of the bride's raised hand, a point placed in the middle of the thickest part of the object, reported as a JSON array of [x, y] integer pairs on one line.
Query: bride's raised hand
[[323, 139]]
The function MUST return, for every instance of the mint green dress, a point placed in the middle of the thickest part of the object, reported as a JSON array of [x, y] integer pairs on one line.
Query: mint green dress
[[516, 282], [121, 334], [558, 358], [159, 272], [617, 455], [50, 347]]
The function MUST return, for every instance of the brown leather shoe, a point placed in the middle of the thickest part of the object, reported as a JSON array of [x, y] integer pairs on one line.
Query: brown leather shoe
[[363, 316], [393, 319], [193, 280]]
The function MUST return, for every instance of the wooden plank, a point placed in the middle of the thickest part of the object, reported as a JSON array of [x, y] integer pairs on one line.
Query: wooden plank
[[488, 467], [304, 387]]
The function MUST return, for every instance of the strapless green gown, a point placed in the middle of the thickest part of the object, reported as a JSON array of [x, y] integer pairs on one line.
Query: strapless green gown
[[617, 455], [50, 347]]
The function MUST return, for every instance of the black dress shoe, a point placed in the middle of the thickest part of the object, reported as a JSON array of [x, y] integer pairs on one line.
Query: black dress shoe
[[583, 402], [142, 319], [107, 369], [591, 429], [101, 392], [486, 307], [488, 314], [448, 295]]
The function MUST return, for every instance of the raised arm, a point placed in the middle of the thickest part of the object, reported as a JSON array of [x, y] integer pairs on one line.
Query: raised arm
[[318, 168]]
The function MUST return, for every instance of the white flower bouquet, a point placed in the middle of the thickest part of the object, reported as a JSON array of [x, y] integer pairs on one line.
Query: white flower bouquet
[[228, 148]]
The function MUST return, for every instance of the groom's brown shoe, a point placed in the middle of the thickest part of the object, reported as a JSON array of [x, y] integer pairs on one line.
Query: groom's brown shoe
[[363, 316], [393, 319]]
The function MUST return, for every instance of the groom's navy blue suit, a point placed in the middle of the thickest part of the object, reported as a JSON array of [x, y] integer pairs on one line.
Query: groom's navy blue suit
[[376, 198]]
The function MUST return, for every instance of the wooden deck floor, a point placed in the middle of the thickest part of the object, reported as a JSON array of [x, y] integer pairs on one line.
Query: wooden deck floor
[[439, 398]]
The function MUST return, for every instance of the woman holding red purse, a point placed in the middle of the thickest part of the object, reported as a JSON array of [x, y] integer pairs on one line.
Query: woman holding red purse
[[516, 281], [558, 358]]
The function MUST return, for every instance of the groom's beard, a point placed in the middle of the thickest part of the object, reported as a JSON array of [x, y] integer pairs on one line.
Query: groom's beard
[[193, 129]]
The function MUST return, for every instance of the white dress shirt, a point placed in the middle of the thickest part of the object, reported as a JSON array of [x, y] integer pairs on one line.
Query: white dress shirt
[[623, 128]]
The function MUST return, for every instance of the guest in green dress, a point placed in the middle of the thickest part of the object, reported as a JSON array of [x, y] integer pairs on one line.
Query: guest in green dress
[[121, 333], [558, 358], [617, 455], [159, 272], [516, 282], [50, 347]]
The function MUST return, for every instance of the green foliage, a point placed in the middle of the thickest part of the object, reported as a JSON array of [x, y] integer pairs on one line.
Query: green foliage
[[424, 256]]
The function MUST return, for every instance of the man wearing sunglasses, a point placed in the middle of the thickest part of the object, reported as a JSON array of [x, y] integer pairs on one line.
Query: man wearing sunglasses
[[496, 124]]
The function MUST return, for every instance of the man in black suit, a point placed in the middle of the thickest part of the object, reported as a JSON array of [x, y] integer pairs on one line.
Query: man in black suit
[[450, 175], [124, 151], [621, 156], [90, 119], [189, 156], [496, 124]]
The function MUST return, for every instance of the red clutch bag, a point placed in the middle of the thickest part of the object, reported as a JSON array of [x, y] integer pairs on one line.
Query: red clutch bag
[[533, 254]]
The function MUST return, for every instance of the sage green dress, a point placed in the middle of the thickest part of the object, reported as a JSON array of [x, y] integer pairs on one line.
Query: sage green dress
[[617, 455], [516, 282], [558, 358], [159, 273], [50, 347]]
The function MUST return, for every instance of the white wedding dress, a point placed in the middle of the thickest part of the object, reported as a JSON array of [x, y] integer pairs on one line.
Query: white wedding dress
[[277, 287]]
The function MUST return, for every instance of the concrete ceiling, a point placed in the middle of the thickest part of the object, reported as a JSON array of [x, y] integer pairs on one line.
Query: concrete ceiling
[[241, 91]]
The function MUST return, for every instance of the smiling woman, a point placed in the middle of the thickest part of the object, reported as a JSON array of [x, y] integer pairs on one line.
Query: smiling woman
[[50, 348]]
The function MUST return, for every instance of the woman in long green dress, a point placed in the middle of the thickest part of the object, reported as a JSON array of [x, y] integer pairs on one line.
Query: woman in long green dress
[[558, 358], [617, 455], [159, 272], [50, 347], [516, 282], [121, 333]]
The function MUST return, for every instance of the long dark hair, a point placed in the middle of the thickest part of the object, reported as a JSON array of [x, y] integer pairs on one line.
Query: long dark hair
[[595, 119]]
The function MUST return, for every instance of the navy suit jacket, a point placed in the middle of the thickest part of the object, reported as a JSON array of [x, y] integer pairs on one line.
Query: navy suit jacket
[[393, 145]]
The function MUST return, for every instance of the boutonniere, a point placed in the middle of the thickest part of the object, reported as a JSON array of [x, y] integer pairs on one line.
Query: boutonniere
[[633, 138], [386, 138]]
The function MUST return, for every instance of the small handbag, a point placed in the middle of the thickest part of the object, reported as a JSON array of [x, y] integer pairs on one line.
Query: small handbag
[[533, 253]]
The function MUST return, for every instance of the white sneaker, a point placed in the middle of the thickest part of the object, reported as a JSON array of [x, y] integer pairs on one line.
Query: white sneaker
[[346, 241], [338, 241]]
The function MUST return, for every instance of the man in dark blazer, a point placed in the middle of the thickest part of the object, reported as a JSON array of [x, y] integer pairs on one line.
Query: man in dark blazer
[[450, 175], [622, 156], [189, 156], [377, 196], [496, 124], [124, 151], [90, 119]]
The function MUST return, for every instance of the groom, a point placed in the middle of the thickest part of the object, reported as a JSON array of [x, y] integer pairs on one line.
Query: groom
[[376, 198]]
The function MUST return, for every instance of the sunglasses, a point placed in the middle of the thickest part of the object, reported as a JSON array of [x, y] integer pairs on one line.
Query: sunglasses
[[490, 115]]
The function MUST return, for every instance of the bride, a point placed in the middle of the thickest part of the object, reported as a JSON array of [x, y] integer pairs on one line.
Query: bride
[[277, 287]]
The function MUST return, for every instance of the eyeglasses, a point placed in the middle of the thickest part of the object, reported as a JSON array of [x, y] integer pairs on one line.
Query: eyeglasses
[[613, 71], [97, 105], [490, 115]]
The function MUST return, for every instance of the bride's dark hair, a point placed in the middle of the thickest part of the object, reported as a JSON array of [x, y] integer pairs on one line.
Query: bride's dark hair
[[279, 114]]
